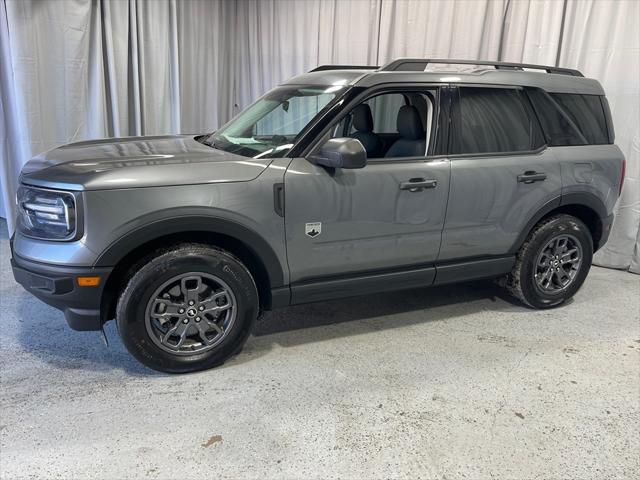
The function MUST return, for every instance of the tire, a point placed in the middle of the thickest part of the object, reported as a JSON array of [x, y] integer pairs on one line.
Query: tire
[[536, 260], [157, 323]]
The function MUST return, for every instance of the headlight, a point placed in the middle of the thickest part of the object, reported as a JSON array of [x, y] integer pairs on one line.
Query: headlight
[[48, 214]]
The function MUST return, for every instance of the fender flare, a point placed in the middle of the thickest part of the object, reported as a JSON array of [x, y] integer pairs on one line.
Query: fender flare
[[585, 199], [195, 223]]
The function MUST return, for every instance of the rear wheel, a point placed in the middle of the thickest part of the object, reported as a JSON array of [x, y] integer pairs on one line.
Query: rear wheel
[[553, 262], [187, 309]]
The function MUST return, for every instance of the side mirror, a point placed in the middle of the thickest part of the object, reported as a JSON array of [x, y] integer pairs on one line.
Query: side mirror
[[341, 153]]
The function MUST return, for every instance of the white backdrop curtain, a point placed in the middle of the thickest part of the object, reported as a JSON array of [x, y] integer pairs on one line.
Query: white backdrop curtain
[[77, 69]]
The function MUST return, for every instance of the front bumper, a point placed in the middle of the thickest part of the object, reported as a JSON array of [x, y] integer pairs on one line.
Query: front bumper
[[57, 286]]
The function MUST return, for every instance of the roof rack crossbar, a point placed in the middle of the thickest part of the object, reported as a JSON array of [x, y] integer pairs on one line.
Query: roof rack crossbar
[[419, 64], [323, 68]]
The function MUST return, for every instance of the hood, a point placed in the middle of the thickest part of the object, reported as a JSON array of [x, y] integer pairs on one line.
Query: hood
[[138, 162]]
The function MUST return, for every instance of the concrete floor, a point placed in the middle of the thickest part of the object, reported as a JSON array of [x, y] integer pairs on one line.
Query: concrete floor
[[455, 382]]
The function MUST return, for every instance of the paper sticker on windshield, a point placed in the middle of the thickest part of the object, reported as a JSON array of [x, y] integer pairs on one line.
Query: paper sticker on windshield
[[313, 229]]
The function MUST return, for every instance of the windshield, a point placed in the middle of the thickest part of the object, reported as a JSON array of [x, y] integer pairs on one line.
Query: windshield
[[271, 126]]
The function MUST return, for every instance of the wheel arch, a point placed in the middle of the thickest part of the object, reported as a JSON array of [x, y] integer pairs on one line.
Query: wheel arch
[[241, 241], [585, 206]]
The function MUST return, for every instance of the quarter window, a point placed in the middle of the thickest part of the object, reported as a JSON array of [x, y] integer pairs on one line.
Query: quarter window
[[588, 115], [571, 119], [493, 120], [559, 128]]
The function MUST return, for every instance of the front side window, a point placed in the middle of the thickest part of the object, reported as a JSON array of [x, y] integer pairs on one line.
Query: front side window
[[271, 126], [384, 109], [392, 124], [492, 120]]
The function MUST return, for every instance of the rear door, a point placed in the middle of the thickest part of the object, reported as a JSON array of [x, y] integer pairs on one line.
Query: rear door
[[502, 174]]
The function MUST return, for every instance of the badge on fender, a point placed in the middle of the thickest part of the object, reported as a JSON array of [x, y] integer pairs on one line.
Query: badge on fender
[[313, 229]]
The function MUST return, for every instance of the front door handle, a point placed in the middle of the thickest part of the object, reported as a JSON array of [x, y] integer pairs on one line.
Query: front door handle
[[418, 184], [530, 176]]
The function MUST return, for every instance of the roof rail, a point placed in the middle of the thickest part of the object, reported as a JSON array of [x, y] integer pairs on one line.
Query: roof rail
[[323, 68], [419, 64]]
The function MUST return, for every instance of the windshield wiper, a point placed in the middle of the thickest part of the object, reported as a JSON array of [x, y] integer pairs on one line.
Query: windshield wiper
[[204, 139], [211, 143]]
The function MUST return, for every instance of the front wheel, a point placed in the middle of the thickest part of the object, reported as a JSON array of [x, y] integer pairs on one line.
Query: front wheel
[[189, 308], [553, 262]]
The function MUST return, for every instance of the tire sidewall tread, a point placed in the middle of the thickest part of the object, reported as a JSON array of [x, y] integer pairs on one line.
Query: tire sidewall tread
[[520, 282], [132, 304]]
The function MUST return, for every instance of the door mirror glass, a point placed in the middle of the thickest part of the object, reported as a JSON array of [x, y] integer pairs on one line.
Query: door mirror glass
[[341, 153]]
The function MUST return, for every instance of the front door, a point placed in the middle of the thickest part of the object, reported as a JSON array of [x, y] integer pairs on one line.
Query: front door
[[347, 223]]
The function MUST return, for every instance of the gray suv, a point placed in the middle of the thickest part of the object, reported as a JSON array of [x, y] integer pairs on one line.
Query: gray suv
[[342, 181]]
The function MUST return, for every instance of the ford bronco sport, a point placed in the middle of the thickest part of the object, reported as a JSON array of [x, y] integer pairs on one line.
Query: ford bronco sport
[[340, 182]]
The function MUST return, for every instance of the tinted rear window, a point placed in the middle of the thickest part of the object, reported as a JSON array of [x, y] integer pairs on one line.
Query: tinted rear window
[[492, 120], [570, 119], [587, 113]]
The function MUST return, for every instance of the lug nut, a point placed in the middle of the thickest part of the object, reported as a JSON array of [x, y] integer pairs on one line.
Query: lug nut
[[186, 320], [181, 310], [191, 302], [197, 319], [201, 308]]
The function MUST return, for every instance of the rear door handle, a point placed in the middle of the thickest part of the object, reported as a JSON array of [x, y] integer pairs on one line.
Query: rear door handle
[[530, 176], [418, 184]]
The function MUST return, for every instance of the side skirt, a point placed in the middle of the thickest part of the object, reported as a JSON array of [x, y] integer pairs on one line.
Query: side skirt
[[329, 288], [473, 269], [363, 284]]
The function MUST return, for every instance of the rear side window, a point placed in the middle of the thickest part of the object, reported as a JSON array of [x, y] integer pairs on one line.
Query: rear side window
[[493, 120], [587, 113], [570, 119], [559, 128]]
